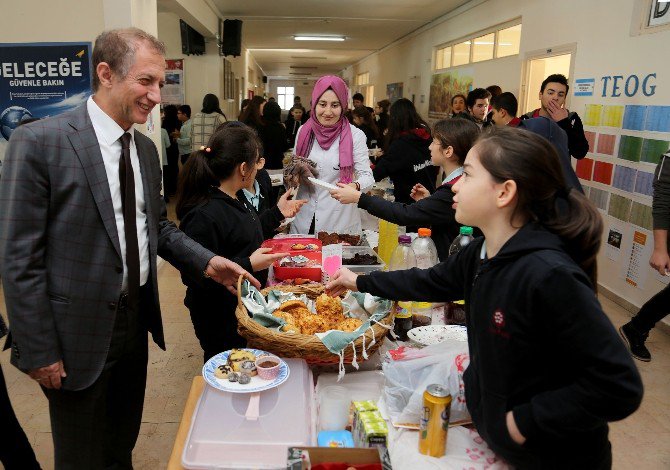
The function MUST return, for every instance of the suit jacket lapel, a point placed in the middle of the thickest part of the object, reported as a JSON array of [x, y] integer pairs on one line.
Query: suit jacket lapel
[[85, 144]]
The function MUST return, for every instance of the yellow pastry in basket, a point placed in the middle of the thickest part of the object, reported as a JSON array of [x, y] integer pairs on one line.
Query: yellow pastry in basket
[[238, 356], [310, 324], [287, 317], [292, 305], [349, 324], [328, 306], [289, 328]]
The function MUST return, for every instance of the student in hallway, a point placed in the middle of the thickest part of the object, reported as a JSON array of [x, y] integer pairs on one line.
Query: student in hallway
[[636, 331], [183, 135], [553, 91], [478, 105], [458, 105], [503, 110], [546, 375]]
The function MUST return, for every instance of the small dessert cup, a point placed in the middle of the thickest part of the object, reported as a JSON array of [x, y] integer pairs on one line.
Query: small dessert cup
[[268, 367]]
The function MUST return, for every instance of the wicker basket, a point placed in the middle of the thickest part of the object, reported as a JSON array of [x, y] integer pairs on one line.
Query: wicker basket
[[307, 347]]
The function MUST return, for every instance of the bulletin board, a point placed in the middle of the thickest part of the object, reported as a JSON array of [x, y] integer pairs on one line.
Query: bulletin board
[[628, 129]]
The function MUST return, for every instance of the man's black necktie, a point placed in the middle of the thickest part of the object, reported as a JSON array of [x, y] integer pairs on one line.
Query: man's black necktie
[[127, 180]]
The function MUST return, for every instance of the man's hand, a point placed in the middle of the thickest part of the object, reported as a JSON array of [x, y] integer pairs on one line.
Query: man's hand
[[419, 192], [289, 207], [225, 272], [556, 112], [660, 261], [346, 194], [262, 258], [49, 376]]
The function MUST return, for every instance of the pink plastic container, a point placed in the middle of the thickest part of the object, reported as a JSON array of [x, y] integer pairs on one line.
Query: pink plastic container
[[222, 437]]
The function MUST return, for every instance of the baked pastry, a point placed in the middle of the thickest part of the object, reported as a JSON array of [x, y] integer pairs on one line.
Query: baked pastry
[[237, 356], [298, 246], [329, 306], [286, 316], [349, 324], [291, 305], [248, 368], [310, 324], [244, 379], [289, 328], [222, 371]]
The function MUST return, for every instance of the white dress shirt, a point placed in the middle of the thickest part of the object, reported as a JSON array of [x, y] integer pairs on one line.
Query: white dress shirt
[[108, 133], [329, 215]]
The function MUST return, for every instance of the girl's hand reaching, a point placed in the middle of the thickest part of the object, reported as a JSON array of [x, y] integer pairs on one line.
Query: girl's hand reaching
[[346, 194], [262, 258], [419, 192], [288, 207], [342, 281]]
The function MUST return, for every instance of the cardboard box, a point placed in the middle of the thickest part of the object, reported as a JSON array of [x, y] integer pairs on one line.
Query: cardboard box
[[319, 455]]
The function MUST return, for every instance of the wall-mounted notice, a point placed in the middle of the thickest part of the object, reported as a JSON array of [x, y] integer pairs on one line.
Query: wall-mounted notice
[[613, 247], [584, 86], [592, 114], [173, 90], [634, 117], [445, 85], [40, 80], [606, 144], [636, 269], [658, 119]]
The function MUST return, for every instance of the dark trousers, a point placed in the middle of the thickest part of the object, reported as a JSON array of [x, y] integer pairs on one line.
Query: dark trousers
[[652, 311], [15, 450], [96, 428]]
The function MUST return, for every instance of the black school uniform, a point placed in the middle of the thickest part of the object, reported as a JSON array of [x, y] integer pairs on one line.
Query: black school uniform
[[434, 212], [540, 346], [230, 228]]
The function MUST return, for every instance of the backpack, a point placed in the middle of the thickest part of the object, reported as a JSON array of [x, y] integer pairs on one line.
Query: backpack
[[551, 131]]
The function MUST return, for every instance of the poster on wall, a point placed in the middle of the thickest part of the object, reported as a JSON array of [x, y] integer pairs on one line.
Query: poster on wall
[[445, 85], [394, 91], [636, 267], [613, 247], [173, 90], [39, 80]]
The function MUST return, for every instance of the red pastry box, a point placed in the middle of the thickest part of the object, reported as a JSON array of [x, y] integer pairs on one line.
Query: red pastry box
[[311, 271], [298, 245]]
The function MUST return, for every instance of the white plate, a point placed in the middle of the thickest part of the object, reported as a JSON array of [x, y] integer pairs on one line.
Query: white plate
[[323, 184], [256, 385], [434, 334]]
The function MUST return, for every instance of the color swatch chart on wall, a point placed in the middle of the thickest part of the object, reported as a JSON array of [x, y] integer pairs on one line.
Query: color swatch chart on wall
[[625, 145]]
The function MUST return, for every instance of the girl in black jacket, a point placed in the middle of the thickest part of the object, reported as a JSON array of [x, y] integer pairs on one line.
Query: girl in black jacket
[[452, 140], [547, 369], [214, 211], [273, 136], [362, 118], [406, 157]]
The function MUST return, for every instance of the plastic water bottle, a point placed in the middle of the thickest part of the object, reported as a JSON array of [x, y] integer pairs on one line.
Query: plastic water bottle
[[462, 240], [426, 257], [424, 249], [403, 258], [455, 311]]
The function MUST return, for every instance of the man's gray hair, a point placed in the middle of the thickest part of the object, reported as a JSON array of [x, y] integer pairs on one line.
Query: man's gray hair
[[117, 48]]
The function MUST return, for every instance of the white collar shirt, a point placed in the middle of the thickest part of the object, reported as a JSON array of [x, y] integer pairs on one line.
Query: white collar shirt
[[108, 133]]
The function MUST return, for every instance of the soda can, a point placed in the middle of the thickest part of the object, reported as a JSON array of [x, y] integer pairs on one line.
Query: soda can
[[434, 421]]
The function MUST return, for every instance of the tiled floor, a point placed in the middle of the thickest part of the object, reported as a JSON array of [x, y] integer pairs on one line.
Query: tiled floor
[[640, 442]]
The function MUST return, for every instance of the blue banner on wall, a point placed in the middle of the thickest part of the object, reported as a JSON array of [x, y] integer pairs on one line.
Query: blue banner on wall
[[38, 80]]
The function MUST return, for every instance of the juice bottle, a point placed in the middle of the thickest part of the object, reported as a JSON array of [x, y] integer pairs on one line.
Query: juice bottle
[[388, 240]]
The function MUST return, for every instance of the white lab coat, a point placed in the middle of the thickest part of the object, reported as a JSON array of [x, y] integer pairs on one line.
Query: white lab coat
[[331, 216]]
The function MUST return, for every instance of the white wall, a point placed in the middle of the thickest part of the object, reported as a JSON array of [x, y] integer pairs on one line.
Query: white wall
[[601, 30]]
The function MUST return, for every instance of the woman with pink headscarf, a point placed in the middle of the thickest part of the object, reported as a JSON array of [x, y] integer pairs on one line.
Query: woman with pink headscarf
[[341, 156]]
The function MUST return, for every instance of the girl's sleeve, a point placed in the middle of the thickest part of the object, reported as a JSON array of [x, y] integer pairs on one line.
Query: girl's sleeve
[[363, 173], [435, 208], [441, 283], [607, 385]]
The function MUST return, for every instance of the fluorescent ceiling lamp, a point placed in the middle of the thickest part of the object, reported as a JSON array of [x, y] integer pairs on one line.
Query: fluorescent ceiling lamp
[[319, 38]]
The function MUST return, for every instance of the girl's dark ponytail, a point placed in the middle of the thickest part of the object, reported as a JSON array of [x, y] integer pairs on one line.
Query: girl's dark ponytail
[[195, 181], [533, 163]]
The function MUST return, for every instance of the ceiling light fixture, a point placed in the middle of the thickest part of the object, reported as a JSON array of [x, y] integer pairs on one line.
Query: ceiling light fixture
[[319, 38]]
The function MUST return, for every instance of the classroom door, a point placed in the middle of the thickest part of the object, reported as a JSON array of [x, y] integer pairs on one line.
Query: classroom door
[[538, 67]]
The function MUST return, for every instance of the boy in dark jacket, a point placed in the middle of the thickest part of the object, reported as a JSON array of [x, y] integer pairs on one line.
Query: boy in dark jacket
[[553, 91]]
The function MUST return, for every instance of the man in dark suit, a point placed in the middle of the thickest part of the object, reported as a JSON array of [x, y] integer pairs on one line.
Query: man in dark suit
[[81, 226]]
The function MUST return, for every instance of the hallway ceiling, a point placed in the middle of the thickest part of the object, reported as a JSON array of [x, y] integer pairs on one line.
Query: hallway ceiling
[[368, 25]]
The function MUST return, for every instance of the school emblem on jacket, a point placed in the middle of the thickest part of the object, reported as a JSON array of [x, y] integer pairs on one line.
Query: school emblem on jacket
[[498, 320]]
